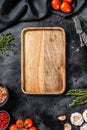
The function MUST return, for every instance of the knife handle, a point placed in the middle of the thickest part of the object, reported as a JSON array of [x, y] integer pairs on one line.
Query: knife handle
[[77, 25], [84, 38], [81, 40]]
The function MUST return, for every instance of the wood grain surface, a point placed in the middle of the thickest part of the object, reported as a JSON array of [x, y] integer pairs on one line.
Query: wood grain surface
[[43, 60]]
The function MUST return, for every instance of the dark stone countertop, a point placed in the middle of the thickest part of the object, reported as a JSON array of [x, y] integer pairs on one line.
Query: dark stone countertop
[[44, 110]]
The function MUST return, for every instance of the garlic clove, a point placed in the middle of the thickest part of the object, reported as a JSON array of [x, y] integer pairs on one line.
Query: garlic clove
[[67, 126], [62, 118]]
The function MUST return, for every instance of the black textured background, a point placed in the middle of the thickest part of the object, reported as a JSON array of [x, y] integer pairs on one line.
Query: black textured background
[[44, 110]]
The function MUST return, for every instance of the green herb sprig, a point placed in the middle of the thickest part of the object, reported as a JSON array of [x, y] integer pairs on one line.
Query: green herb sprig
[[80, 94], [6, 43]]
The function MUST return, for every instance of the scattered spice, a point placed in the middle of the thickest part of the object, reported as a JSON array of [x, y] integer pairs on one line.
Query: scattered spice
[[3, 94], [6, 43], [80, 94], [62, 118], [4, 120]]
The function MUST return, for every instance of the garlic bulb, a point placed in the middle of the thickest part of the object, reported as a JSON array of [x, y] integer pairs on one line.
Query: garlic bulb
[[84, 127], [85, 115], [76, 119]]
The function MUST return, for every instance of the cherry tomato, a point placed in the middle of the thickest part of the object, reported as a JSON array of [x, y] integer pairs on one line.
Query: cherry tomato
[[65, 7], [33, 128], [13, 127], [28, 123], [19, 123], [69, 1], [55, 4], [23, 129]]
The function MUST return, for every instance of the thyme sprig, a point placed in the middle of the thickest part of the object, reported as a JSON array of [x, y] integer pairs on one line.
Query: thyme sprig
[[80, 96], [6, 43]]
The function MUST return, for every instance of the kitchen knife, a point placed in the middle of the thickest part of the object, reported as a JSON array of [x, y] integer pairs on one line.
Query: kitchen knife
[[79, 30]]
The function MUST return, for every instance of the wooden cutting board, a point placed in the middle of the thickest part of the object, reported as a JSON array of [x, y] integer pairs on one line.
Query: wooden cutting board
[[43, 60]]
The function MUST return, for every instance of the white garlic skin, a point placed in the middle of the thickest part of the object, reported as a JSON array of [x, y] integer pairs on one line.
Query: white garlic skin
[[85, 115], [76, 119], [84, 127]]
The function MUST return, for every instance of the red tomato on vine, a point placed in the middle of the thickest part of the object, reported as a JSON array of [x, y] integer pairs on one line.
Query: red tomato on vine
[[55, 4], [65, 7]]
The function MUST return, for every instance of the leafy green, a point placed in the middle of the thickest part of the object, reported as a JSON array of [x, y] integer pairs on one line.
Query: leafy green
[[6, 43]]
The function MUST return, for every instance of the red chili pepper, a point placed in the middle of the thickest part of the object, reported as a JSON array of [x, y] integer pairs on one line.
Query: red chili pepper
[[4, 119]]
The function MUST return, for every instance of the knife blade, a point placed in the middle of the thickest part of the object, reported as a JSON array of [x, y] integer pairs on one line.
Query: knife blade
[[79, 30]]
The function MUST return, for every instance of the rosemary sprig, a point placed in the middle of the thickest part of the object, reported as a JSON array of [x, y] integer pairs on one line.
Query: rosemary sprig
[[80, 94], [77, 92], [6, 43], [79, 101]]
